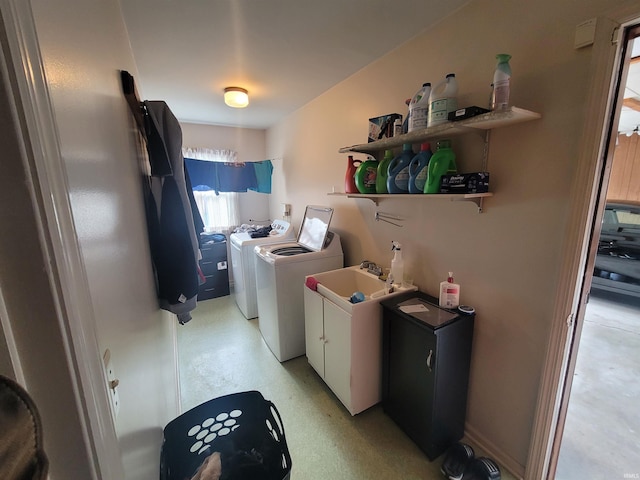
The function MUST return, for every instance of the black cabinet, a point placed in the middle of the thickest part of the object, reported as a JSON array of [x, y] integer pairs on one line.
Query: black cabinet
[[426, 357], [214, 267]]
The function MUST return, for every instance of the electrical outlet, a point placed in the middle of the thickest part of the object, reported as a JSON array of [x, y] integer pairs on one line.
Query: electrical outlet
[[112, 384]]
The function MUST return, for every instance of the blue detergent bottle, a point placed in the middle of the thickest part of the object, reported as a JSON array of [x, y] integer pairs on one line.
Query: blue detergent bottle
[[442, 162], [398, 172], [418, 169]]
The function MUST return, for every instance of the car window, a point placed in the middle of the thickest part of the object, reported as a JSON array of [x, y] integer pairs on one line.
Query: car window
[[621, 217]]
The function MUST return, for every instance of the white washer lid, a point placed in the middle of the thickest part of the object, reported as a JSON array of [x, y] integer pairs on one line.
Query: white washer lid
[[315, 226]]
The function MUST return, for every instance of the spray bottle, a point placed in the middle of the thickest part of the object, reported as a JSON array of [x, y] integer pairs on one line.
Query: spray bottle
[[397, 264]]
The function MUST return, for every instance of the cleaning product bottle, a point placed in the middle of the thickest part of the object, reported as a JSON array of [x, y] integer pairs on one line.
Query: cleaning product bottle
[[382, 173], [397, 264], [442, 162], [449, 293], [419, 108], [365, 176], [418, 169], [501, 83], [443, 100], [397, 127], [398, 171], [349, 180]]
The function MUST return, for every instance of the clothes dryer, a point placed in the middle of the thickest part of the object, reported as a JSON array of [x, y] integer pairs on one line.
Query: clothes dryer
[[281, 269], [243, 261]]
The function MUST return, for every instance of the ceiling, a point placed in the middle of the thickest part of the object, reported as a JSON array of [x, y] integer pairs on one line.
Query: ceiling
[[284, 52]]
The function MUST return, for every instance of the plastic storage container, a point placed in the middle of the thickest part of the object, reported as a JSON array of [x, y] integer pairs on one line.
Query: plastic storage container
[[442, 162], [398, 171], [365, 176], [443, 100], [418, 169], [349, 176], [383, 168], [501, 83], [241, 426], [419, 108]]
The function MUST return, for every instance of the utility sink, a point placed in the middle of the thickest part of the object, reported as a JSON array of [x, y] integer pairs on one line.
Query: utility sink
[[338, 286]]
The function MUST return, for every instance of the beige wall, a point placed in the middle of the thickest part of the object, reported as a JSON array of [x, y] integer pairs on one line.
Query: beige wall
[[507, 258]]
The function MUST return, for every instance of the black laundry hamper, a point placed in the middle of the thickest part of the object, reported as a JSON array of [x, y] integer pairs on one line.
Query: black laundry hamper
[[241, 422]]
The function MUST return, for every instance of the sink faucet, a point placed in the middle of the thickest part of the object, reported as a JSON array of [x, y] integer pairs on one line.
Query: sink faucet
[[371, 268]]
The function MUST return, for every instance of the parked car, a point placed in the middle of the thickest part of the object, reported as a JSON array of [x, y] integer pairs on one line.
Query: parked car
[[617, 267]]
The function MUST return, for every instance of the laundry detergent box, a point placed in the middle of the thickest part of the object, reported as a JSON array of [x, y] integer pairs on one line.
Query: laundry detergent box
[[477, 182], [382, 127]]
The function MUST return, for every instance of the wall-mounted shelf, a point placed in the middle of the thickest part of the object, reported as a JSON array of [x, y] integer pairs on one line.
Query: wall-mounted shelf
[[376, 197], [485, 121]]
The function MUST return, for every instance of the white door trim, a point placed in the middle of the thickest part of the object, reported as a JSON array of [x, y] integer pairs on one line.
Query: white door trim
[[34, 117], [569, 305]]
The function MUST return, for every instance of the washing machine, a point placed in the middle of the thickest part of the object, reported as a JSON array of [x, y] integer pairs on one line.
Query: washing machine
[[243, 261], [280, 273]]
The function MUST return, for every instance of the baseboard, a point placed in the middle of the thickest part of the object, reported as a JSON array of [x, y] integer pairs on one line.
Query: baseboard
[[486, 448]]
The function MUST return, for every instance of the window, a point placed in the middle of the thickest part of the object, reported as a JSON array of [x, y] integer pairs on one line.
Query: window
[[219, 210]]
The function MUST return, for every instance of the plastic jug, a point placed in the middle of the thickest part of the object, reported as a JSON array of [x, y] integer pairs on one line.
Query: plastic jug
[[443, 100], [501, 83], [349, 176], [398, 171], [382, 173], [418, 169], [442, 162], [365, 176], [419, 108]]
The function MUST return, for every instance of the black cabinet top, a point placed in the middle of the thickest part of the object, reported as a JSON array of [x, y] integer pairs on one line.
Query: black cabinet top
[[421, 308]]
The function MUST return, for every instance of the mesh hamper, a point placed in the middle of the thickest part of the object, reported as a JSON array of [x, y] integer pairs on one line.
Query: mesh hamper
[[240, 423]]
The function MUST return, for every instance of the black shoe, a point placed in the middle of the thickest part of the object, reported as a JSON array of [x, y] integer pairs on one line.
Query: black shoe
[[481, 468], [456, 460]]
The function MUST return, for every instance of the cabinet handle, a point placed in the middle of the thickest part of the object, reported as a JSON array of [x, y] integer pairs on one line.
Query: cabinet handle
[[429, 357]]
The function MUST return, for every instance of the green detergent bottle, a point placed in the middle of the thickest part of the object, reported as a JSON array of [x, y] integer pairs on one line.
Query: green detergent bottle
[[381, 175], [366, 175], [443, 162]]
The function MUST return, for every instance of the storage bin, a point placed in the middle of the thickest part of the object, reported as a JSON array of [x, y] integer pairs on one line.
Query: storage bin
[[244, 427]]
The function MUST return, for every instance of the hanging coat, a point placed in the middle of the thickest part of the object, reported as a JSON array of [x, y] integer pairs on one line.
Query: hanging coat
[[172, 229]]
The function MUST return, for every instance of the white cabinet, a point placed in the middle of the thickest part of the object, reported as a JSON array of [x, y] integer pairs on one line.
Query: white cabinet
[[345, 349]]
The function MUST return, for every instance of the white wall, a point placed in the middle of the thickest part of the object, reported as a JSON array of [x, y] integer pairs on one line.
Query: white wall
[[84, 45], [507, 258]]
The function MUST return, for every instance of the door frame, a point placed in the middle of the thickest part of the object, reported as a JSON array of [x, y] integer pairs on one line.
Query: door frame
[[583, 230]]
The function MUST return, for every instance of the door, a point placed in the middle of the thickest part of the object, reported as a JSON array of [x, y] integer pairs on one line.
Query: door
[[314, 330], [410, 358], [337, 351], [603, 450]]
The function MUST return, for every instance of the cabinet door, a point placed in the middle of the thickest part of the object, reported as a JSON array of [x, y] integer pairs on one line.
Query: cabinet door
[[410, 362], [314, 330], [337, 351]]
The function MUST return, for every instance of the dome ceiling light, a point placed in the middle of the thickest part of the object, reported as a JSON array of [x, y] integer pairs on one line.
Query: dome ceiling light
[[236, 97]]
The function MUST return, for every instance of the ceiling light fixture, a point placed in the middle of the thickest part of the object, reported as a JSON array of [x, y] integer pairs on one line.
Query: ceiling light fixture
[[236, 97]]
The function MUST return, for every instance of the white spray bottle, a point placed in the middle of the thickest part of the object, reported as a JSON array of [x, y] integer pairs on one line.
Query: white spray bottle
[[397, 264]]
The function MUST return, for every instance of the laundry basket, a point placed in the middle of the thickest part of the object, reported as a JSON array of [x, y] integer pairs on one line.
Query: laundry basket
[[244, 427]]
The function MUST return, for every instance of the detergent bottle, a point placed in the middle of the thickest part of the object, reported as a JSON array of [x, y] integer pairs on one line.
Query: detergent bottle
[[443, 100], [418, 169], [419, 108], [398, 171], [349, 176], [365, 176], [381, 174], [501, 83], [442, 162]]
